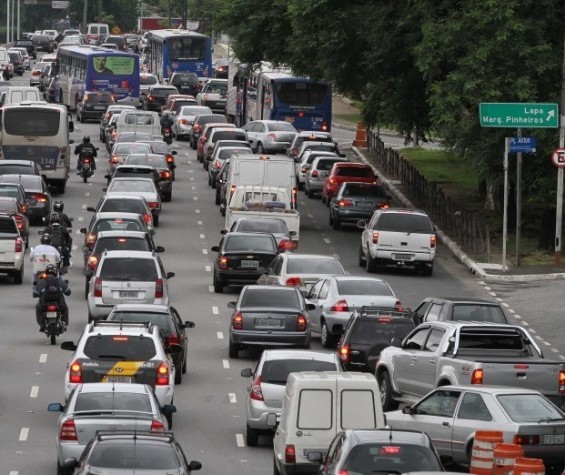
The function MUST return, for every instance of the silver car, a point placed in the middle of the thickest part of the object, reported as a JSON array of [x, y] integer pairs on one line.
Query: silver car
[[105, 406], [266, 391], [303, 166], [335, 298], [451, 415], [184, 118], [270, 136], [300, 270], [317, 173], [134, 186]]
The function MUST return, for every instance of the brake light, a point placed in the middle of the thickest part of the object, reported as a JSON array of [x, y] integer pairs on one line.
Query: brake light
[[51, 308], [75, 373], [255, 392], [301, 323], [159, 289], [343, 203], [237, 321], [294, 196], [86, 160], [166, 175], [19, 245], [290, 454], [340, 306], [196, 128], [477, 377], [526, 439], [92, 262], [19, 221], [286, 245], [293, 282], [223, 263], [272, 137], [170, 159], [325, 126], [398, 306], [183, 122], [390, 450], [375, 237], [162, 375], [90, 239], [344, 353], [157, 426], [97, 287], [68, 430], [343, 471], [153, 204], [40, 197], [147, 218], [382, 205], [173, 340], [562, 381], [301, 114], [433, 241], [315, 173]]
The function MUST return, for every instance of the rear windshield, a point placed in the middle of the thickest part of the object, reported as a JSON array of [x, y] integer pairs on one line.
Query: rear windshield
[[277, 371], [477, 340], [7, 226], [211, 119], [281, 127], [329, 147], [138, 119], [129, 269], [404, 223], [9, 191], [192, 110], [133, 137], [300, 140], [326, 165], [28, 181], [355, 172], [191, 79], [529, 408], [124, 206], [31, 122], [228, 152], [373, 330], [8, 204], [123, 347], [113, 400], [260, 226], [141, 186], [148, 80], [15, 169], [162, 92], [478, 313], [360, 189], [154, 161], [127, 149], [99, 98], [229, 135], [117, 224], [121, 243], [250, 244], [163, 321], [363, 287], [134, 171], [270, 298], [391, 458], [314, 266], [216, 87], [139, 455]]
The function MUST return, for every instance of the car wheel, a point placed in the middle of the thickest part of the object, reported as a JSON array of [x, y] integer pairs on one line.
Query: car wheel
[[209, 180], [156, 220], [251, 437], [169, 418], [336, 224], [168, 196], [323, 199], [178, 375], [86, 286], [223, 211], [205, 163], [218, 196], [389, 404], [18, 276], [63, 470], [276, 470], [218, 285], [428, 270], [309, 193], [81, 120], [184, 364], [90, 317], [326, 338], [260, 149], [361, 256], [233, 350], [370, 263]]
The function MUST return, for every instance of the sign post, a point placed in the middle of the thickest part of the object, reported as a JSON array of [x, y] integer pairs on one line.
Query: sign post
[[505, 212]]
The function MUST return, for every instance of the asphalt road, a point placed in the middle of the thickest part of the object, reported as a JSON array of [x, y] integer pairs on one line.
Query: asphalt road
[[210, 422]]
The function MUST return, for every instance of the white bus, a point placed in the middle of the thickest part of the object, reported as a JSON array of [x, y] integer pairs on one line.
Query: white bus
[[39, 131]]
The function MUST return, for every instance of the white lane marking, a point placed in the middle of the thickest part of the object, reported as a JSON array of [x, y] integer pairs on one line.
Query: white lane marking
[[533, 331], [191, 179], [75, 247], [199, 223], [193, 187], [195, 198], [318, 228], [77, 231], [205, 251], [14, 472], [555, 350], [232, 397], [493, 294], [24, 434], [43, 358], [510, 310], [537, 337], [220, 335], [87, 193], [487, 288], [215, 310], [208, 269], [202, 236], [526, 324], [310, 215], [81, 219], [197, 211], [562, 357], [210, 288], [226, 364], [34, 391], [190, 171], [84, 206], [239, 440], [517, 317], [327, 240], [546, 343], [499, 299], [505, 305]]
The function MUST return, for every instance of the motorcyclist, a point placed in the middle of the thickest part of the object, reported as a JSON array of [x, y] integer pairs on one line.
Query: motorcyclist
[[43, 255], [58, 207], [60, 237], [51, 289], [85, 149], [166, 121]]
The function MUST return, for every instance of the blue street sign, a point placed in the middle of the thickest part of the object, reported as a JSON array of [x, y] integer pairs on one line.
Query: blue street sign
[[522, 144]]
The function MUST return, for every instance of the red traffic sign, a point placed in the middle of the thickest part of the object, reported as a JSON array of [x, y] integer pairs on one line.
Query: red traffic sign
[[558, 157]]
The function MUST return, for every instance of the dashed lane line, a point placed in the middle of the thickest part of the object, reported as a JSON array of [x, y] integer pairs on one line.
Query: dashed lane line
[[34, 391], [43, 358], [215, 310], [208, 269], [233, 398], [239, 440], [226, 364], [205, 251], [202, 236], [24, 433], [220, 335]]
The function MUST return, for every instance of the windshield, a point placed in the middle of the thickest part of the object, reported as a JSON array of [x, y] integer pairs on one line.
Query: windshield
[[270, 298], [359, 189], [156, 161], [194, 110], [148, 80], [130, 348], [187, 48], [314, 266], [127, 149], [228, 152]]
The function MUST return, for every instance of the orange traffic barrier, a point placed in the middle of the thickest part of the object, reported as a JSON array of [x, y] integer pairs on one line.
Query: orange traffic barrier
[[528, 466], [505, 456], [482, 455], [360, 135]]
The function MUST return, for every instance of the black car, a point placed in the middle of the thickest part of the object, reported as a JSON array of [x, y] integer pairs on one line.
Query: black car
[[157, 96], [42, 43], [169, 322], [118, 451], [242, 258], [93, 105], [220, 67], [355, 201], [17, 62], [117, 40], [186, 83], [368, 331], [137, 171], [200, 121], [433, 309], [28, 45], [221, 180], [131, 40]]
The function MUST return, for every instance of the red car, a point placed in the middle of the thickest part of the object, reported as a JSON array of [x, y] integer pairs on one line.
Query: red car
[[346, 171]]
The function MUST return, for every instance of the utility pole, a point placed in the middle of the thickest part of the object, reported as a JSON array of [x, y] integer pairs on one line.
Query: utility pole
[[8, 21], [559, 206], [84, 16]]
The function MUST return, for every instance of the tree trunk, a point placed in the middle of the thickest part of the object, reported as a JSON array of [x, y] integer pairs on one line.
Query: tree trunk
[[547, 230], [490, 195]]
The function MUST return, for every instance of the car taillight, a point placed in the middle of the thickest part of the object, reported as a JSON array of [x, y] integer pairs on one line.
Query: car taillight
[[294, 152], [196, 128], [90, 239], [183, 122], [159, 289], [75, 373], [286, 245], [301, 323], [382, 205], [340, 306], [19, 245], [343, 471], [315, 173], [19, 221], [290, 454], [526, 439], [115, 159], [92, 262], [433, 241], [40, 197], [237, 321], [477, 377], [153, 204], [272, 137], [97, 287], [344, 353], [223, 263], [68, 431], [332, 181], [173, 340], [294, 196], [25, 208], [36, 72], [375, 237], [398, 306], [325, 126], [293, 282], [51, 308], [344, 203], [151, 98], [170, 159], [562, 382], [162, 375], [157, 426], [166, 175], [255, 392], [147, 218], [86, 161]]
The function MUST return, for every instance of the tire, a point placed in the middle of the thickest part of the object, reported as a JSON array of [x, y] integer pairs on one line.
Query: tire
[[62, 470], [218, 286], [53, 338], [323, 199], [428, 270], [169, 418], [223, 211], [213, 183], [184, 364], [251, 437], [361, 257], [370, 264], [218, 196], [233, 351], [336, 224], [86, 288], [276, 470], [178, 375], [326, 338], [309, 193], [331, 219], [85, 178], [168, 197], [90, 317], [205, 163], [209, 180], [18, 276], [260, 149], [389, 404], [156, 220]]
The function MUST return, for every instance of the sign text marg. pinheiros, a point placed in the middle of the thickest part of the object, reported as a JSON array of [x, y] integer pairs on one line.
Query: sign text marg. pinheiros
[[519, 115]]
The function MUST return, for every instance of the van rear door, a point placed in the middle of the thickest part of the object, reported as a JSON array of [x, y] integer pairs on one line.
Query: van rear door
[[359, 404]]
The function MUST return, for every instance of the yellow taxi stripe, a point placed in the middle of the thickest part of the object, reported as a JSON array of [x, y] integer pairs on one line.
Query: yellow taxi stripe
[[125, 368]]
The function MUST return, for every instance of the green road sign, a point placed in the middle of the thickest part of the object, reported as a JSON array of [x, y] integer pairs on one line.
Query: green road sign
[[516, 115]]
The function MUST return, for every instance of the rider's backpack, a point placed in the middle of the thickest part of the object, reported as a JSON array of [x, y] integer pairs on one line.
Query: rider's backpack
[[51, 293], [57, 236]]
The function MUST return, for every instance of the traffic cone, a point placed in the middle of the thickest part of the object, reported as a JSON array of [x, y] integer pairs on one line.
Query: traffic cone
[[360, 136]]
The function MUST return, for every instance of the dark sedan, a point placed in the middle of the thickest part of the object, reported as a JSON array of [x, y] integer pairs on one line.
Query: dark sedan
[[157, 96], [355, 201], [37, 194], [242, 258], [269, 317]]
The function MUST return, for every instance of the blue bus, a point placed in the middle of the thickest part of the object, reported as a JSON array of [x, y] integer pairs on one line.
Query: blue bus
[[91, 68], [170, 51], [278, 95]]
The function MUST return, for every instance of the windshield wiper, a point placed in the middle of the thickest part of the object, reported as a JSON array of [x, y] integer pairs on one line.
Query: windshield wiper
[[550, 419]]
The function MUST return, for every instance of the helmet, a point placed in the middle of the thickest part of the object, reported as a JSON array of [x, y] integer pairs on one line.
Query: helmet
[[86, 139], [46, 239], [58, 206], [54, 218], [50, 269]]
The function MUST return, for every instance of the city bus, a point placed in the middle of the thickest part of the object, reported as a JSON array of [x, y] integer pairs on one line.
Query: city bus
[[278, 95], [39, 131], [170, 51], [91, 68]]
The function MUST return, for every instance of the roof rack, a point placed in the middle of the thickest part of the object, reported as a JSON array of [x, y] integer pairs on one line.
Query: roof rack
[[368, 310], [100, 434], [121, 324]]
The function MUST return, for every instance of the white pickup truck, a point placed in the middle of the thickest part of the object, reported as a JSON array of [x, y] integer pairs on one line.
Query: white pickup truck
[[249, 201], [12, 249]]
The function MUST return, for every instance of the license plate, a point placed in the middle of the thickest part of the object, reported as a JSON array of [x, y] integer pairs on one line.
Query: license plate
[[51, 315], [403, 257], [249, 264], [99, 108], [268, 323], [117, 379], [128, 293], [365, 204], [551, 439]]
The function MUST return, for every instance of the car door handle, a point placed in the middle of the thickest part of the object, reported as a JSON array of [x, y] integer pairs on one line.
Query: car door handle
[[445, 424], [432, 361]]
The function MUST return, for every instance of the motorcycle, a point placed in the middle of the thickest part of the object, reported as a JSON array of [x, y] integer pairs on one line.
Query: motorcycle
[[167, 135], [86, 169], [53, 319]]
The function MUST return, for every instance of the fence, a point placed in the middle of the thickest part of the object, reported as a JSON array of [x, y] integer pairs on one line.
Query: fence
[[466, 228]]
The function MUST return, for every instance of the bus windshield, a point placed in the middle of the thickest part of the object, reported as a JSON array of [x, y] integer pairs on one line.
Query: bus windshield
[[31, 122], [301, 93], [187, 48]]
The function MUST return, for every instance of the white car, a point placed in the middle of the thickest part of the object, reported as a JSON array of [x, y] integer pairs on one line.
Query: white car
[[184, 118], [303, 165], [214, 94], [270, 136]]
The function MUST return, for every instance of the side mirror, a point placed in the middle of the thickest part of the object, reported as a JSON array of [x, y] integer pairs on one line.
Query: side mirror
[[310, 306], [107, 177], [82, 230], [71, 129], [104, 189], [174, 152], [361, 224], [68, 345], [194, 465], [168, 409], [292, 233], [189, 324], [215, 248], [271, 421], [71, 141], [231, 304], [246, 373], [408, 410], [70, 463], [85, 249], [91, 209], [159, 249], [55, 407], [315, 457], [223, 231], [170, 275]]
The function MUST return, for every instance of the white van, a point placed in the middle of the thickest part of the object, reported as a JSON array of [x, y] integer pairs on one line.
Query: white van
[[147, 122], [17, 94], [96, 33], [316, 407], [4, 61]]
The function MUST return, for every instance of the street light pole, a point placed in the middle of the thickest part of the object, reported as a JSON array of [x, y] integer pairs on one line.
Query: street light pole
[[84, 16], [8, 21], [559, 205]]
